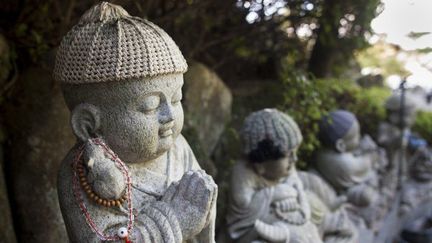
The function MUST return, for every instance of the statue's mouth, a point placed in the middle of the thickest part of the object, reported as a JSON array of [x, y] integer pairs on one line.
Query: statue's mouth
[[165, 133]]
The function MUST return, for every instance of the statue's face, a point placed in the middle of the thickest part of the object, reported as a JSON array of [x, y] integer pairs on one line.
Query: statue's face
[[143, 118], [422, 165], [408, 117], [280, 168], [352, 137]]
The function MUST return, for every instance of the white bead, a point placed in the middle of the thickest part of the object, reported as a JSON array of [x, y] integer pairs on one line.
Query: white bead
[[122, 232]]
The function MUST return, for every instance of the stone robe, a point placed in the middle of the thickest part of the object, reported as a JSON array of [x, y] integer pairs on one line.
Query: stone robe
[[251, 200], [328, 211], [154, 220]]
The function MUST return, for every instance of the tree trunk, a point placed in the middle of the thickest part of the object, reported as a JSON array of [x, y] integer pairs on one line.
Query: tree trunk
[[325, 49]]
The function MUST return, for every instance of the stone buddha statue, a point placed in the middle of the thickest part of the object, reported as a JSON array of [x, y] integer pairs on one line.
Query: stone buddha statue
[[390, 130], [393, 136], [267, 200], [416, 190], [131, 177], [350, 164], [341, 161], [394, 133]]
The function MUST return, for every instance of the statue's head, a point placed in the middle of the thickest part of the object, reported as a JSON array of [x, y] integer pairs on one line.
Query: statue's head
[[122, 77], [340, 130], [271, 139], [394, 108], [421, 165]]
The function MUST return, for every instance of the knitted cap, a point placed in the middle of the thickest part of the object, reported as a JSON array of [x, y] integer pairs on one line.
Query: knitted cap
[[394, 101], [110, 45], [272, 125], [335, 125]]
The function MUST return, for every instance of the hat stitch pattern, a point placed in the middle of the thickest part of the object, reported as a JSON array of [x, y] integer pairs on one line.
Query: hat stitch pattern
[[110, 45], [270, 124]]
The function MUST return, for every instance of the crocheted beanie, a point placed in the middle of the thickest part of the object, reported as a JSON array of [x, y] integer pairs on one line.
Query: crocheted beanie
[[270, 125], [110, 45], [334, 126], [393, 103]]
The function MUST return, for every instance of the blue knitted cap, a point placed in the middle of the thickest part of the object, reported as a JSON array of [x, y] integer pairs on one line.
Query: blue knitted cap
[[334, 126]]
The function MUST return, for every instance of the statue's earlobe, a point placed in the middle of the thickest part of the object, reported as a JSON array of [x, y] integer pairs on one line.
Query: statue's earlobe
[[340, 145], [85, 121]]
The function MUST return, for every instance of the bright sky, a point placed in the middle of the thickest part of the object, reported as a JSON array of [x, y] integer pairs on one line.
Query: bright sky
[[399, 18]]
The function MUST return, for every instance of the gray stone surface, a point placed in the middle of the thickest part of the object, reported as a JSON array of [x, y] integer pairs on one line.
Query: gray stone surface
[[416, 190], [38, 136], [393, 137], [352, 166], [207, 105], [267, 200], [390, 131], [328, 210], [155, 160], [140, 120]]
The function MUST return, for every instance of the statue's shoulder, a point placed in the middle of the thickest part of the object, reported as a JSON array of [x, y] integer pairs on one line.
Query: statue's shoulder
[[316, 184], [326, 156], [242, 174], [334, 163], [309, 178], [65, 171], [182, 143], [241, 168]]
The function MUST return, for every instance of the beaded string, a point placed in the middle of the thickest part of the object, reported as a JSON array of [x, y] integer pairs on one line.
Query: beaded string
[[99, 200], [78, 195]]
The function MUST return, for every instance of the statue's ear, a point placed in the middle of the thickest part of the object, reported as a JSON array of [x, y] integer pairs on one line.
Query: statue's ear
[[85, 120], [340, 145]]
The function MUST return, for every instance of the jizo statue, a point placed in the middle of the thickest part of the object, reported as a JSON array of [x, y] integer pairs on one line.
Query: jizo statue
[[131, 177], [267, 200], [352, 164]]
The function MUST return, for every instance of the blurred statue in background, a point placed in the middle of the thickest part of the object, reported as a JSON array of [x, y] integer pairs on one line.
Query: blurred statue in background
[[131, 177], [351, 165], [399, 120], [267, 200], [417, 190], [394, 135], [328, 210]]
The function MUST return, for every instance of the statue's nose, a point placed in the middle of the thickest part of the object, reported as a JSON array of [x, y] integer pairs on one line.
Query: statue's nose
[[166, 114]]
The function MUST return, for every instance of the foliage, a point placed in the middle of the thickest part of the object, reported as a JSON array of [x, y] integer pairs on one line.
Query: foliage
[[343, 27], [416, 35], [425, 50], [381, 56], [220, 34], [423, 125], [368, 105], [307, 99]]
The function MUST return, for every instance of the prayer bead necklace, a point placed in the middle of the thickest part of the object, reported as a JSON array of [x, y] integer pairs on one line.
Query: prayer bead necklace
[[80, 182], [91, 194]]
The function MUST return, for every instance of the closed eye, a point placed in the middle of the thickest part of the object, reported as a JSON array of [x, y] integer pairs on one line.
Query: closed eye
[[150, 103]]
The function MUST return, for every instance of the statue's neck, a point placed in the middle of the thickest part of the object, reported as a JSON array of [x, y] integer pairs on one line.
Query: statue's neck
[[157, 165]]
